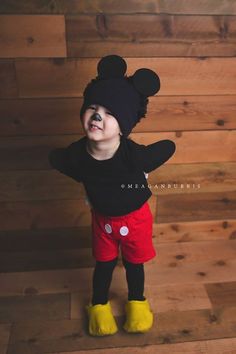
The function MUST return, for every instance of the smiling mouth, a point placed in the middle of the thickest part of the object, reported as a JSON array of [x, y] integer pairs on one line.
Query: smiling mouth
[[93, 126]]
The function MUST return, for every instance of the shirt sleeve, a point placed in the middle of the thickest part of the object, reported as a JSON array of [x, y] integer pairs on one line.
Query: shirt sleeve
[[62, 159], [154, 155]]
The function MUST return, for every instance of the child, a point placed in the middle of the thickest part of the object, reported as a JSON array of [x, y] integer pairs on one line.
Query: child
[[113, 170]]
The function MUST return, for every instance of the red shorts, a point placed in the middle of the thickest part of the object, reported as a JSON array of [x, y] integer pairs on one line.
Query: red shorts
[[133, 232]]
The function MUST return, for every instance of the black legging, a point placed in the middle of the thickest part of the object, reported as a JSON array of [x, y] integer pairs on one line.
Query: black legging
[[102, 277]]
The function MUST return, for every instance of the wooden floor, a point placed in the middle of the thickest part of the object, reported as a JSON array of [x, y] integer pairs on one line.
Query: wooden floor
[[191, 287]]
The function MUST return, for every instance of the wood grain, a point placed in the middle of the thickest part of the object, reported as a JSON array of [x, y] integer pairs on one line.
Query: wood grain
[[162, 297], [81, 257], [195, 231], [218, 7], [221, 293], [4, 337], [220, 48], [70, 334], [202, 206], [165, 113], [8, 84], [32, 36], [143, 28], [78, 280], [61, 77], [52, 307], [213, 346], [173, 208], [31, 153], [191, 146], [178, 295], [169, 179], [80, 237]]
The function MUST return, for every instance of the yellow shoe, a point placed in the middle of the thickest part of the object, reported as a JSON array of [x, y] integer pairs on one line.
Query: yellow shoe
[[139, 317], [101, 320]]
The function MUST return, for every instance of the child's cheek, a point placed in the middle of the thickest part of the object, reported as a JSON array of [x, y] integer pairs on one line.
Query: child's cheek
[[82, 118]]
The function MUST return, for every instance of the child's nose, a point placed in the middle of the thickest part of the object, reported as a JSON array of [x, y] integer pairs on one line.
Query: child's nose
[[96, 116]]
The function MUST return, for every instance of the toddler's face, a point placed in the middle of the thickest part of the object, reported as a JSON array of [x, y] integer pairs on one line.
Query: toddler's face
[[104, 129]]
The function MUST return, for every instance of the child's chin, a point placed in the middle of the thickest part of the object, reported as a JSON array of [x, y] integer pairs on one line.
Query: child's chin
[[94, 137]]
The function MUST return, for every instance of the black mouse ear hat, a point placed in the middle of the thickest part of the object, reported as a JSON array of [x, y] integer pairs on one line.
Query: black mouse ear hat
[[111, 66], [145, 81], [119, 93]]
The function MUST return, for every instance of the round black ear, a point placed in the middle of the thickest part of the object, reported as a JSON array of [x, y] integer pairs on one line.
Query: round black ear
[[111, 66], [146, 81]]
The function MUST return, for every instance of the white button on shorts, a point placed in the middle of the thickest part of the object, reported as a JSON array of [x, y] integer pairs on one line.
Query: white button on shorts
[[124, 230], [108, 228]]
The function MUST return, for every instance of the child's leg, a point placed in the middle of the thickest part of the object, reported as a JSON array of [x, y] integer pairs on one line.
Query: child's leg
[[101, 320], [139, 317], [102, 277], [135, 280]]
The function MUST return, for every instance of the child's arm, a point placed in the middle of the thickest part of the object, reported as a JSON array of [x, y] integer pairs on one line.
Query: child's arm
[[154, 155], [61, 159]]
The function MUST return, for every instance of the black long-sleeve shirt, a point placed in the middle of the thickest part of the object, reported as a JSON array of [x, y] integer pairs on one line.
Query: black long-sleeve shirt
[[118, 185]]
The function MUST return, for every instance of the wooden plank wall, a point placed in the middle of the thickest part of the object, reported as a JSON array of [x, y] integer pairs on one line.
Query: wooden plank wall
[[48, 52]]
